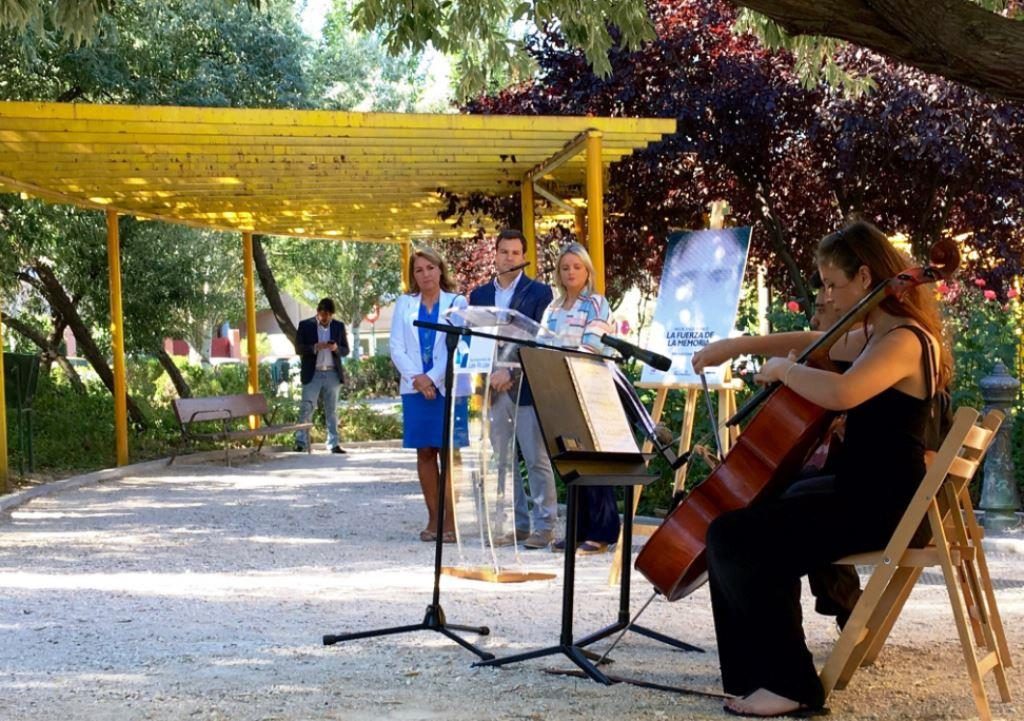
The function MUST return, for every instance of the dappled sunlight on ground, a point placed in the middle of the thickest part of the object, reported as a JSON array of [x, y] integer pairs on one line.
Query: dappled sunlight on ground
[[204, 591]]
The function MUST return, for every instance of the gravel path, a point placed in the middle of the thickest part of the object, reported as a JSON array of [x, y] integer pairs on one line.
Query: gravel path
[[202, 592]]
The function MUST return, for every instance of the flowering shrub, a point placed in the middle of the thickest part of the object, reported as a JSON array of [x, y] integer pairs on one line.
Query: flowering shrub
[[983, 328], [782, 315], [786, 315]]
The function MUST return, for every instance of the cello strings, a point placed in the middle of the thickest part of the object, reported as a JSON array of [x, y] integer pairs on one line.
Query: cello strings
[[711, 416]]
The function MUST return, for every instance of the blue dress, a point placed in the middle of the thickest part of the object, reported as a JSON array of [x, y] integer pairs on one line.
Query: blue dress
[[423, 419]]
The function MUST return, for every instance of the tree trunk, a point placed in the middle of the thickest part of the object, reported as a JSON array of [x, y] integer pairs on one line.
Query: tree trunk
[[782, 248], [174, 373], [56, 336], [270, 289], [956, 39], [353, 328], [58, 299], [49, 351]]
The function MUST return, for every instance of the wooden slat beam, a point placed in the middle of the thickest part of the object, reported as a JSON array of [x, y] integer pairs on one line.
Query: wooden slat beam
[[336, 175]]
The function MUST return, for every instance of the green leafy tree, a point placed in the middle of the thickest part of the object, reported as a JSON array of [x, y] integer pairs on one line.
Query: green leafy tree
[[176, 52], [60, 256], [486, 36], [975, 42], [183, 282], [927, 35], [352, 70], [76, 21], [348, 70], [181, 52], [358, 276]]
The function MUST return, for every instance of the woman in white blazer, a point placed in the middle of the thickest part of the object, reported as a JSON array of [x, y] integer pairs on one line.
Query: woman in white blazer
[[420, 355]]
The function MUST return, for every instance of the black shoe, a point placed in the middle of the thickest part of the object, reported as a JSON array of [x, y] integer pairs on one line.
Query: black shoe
[[299, 449], [338, 449]]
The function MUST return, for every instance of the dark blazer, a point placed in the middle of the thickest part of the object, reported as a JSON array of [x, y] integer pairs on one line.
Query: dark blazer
[[306, 337], [531, 298]]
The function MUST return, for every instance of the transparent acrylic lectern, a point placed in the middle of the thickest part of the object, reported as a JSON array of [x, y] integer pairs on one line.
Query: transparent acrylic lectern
[[485, 474]]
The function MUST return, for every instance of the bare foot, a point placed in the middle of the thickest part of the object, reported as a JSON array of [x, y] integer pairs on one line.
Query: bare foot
[[763, 703]]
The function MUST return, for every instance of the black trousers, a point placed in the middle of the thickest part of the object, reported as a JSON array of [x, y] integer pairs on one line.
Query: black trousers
[[598, 517], [835, 588], [756, 558]]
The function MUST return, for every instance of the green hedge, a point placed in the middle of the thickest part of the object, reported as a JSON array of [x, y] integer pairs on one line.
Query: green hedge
[[74, 432], [370, 377]]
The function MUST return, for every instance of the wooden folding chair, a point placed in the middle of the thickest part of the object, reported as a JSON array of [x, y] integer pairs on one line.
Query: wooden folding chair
[[940, 511]]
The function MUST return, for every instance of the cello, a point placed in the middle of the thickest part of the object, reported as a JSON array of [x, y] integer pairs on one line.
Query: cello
[[771, 449]]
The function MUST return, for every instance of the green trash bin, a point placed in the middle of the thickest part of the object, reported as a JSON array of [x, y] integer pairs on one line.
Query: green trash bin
[[280, 371], [21, 376]]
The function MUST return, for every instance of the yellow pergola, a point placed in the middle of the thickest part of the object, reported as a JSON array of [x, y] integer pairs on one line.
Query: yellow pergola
[[315, 174]]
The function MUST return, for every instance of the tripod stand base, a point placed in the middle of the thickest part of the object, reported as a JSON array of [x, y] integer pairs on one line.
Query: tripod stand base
[[681, 645], [623, 625], [434, 620], [574, 653]]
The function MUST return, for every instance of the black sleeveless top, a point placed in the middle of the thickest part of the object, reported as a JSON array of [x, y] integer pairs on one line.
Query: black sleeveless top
[[882, 458]]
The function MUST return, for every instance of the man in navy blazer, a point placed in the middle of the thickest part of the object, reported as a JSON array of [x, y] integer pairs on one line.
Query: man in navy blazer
[[321, 343], [512, 288]]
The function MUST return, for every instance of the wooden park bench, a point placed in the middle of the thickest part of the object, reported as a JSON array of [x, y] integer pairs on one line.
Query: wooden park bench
[[220, 418]]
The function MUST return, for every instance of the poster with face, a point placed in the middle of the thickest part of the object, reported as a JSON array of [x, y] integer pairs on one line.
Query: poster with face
[[697, 300]]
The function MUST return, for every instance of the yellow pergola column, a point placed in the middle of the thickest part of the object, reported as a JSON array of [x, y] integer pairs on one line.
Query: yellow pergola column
[[595, 207], [579, 224], [5, 478], [529, 225], [250, 319], [117, 338], [406, 254]]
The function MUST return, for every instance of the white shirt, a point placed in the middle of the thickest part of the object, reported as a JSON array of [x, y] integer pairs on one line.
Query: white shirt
[[324, 358], [503, 296]]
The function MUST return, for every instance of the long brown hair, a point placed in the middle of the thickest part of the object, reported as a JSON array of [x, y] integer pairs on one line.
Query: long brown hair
[[862, 244], [425, 251]]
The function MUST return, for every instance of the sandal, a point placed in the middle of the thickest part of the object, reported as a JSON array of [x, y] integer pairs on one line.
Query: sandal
[[801, 711], [426, 535], [589, 548], [448, 537]]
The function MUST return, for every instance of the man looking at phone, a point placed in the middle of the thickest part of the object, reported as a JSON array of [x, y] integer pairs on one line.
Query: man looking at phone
[[321, 343]]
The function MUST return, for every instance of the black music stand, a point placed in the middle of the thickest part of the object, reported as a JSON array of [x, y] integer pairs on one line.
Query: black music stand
[[434, 620], [575, 455]]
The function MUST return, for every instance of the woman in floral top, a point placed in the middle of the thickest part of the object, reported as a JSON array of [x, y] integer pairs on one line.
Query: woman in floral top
[[579, 317]]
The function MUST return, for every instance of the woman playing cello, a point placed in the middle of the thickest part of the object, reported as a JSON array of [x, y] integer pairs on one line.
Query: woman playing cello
[[757, 555]]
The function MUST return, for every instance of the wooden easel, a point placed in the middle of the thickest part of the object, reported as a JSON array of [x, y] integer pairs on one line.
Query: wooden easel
[[726, 408]]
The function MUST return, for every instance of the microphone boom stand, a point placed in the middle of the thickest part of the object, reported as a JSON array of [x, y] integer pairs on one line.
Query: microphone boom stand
[[434, 619], [574, 649]]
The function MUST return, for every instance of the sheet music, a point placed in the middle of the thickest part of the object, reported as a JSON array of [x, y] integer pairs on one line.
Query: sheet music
[[599, 399]]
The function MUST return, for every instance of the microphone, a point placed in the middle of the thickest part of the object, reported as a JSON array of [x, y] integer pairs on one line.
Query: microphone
[[514, 268], [628, 350]]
